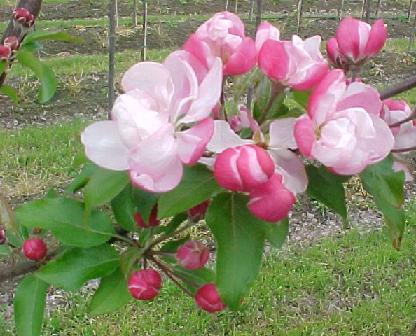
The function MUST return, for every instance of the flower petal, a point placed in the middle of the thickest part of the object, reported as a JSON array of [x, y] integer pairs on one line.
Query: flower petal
[[281, 133], [224, 137], [243, 59], [104, 146]]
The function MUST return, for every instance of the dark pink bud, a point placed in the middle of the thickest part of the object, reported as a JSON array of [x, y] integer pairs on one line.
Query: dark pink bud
[[5, 52], [243, 168], [208, 299], [144, 284], [34, 249], [192, 255], [24, 17], [2, 236], [152, 222], [198, 211], [12, 42]]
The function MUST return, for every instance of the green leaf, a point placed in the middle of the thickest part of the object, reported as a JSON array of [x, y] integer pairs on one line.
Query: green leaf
[[328, 189], [123, 208], [262, 93], [103, 186], [51, 36], [172, 245], [129, 259], [387, 188], [144, 202], [240, 240], [44, 73], [31, 47], [4, 250], [197, 185], [111, 295], [29, 306], [276, 233], [65, 218], [75, 266], [10, 92], [3, 65], [195, 278], [82, 179]]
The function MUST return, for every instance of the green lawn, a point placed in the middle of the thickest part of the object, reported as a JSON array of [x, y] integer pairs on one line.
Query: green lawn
[[351, 285]]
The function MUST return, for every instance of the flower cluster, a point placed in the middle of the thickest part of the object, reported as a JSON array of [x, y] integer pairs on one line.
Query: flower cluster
[[175, 114]]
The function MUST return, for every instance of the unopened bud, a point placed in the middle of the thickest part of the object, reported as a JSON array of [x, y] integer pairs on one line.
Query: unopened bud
[[12, 42], [24, 17], [192, 255], [198, 212], [34, 249], [144, 284], [208, 299], [2, 236], [5, 52], [152, 222]]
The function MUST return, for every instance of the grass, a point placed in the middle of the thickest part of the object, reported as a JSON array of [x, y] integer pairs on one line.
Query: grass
[[37, 158], [356, 284]]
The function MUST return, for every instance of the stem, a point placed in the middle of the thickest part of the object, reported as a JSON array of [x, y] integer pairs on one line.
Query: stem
[[409, 118], [404, 150], [401, 87], [125, 239], [170, 275], [166, 236]]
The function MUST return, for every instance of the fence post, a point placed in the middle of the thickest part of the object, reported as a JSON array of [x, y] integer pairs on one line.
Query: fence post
[[111, 52], [299, 18], [341, 10], [134, 13], [144, 49]]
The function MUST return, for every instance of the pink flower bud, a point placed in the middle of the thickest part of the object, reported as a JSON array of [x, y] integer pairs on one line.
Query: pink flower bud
[[152, 222], [34, 249], [334, 54], [24, 17], [243, 168], [144, 284], [5, 52], [12, 42], [265, 32], [198, 211], [2, 236], [357, 40], [271, 201], [192, 255], [208, 299]]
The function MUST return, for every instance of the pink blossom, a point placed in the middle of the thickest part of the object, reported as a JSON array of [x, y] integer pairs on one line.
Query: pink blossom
[[343, 129], [404, 135], [223, 36], [192, 255], [243, 120], [286, 177], [151, 222], [208, 299], [197, 212], [334, 55], [12, 42], [24, 17], [358, 40], [265, 32], [161, 122], [298, 64], [34, 249], [144, 284]]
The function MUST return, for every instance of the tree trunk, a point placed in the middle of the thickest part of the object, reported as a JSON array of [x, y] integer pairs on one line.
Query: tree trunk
[[413, 35], [236, 7], [111, 52], [299, 18], [226, 5], [144, 49], [134, 13], [378, 8], [363, 8], [341, 10], [368, 11], [259, 11], [409, 10]]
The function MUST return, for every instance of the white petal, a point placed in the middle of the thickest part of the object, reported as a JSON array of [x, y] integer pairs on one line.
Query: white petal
[[224, 137]]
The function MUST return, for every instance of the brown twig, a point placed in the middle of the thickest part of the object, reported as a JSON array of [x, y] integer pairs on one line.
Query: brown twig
[[398, 88], [409, 118]]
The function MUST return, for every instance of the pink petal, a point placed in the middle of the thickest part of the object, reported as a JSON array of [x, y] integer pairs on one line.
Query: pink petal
[[146, 76], [313, 77], [271, 201], [104, 147], [281, 133], [332, 50], [198, 49], [225, 170], [291, 168], [155, 164], [361, 95], [273, 60], [348, 37], [304, 135], [266, 31], [224, 137], [242, 60], [209, 93], [192, 142], [376, 39]]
